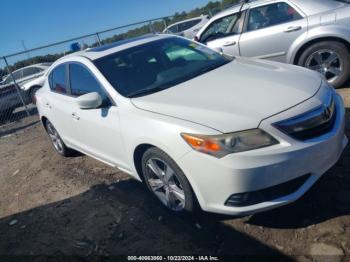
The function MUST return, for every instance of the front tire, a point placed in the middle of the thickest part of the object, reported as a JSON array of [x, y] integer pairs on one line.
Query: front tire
[[57, 141], [330, 58], [167, 182]]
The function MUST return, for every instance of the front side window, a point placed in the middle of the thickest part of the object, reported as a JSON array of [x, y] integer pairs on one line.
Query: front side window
[[221, 27], [17, 75], [58, 79], [157, 65], [187, 25], [270, 15], [83, 82], [8, 80]]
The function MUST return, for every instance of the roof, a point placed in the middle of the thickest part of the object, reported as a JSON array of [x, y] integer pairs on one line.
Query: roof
[[101, 51], [309, 7]]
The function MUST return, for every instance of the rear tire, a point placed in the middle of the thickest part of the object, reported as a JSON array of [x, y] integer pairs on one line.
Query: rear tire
[[167, 182], [330, 58], [57, 141]]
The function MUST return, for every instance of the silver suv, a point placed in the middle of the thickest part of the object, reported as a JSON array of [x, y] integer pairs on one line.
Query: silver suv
[[313, 33]]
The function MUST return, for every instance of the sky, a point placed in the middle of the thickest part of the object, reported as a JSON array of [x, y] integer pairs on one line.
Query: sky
[[41, 22]]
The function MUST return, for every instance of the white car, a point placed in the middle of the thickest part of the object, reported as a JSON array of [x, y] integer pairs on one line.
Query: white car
[[28, 78], [237, 136], [187, 28]]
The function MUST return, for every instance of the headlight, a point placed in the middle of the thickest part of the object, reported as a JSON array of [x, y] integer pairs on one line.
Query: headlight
[[312, 123], [222, 145]]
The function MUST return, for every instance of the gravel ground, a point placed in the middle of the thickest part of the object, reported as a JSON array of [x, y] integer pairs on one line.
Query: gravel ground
[[51, 205]]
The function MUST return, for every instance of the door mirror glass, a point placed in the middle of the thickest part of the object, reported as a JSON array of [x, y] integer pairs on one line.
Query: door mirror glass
[[89, 101], [219, 50]]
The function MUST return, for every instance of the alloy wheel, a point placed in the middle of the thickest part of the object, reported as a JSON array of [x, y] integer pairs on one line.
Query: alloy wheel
[[165, 185], [326, 62], [55, 138]]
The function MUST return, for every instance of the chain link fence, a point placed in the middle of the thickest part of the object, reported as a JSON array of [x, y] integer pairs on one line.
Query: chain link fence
[[22, 73]]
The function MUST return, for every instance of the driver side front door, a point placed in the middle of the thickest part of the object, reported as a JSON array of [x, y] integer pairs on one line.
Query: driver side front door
[[224, 33], [97, 130]]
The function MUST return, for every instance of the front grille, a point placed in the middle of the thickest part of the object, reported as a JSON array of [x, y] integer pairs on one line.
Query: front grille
[[312, 124], [267, 194]]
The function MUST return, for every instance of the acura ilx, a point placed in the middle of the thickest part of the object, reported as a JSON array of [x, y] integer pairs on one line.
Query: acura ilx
[[230, 135]]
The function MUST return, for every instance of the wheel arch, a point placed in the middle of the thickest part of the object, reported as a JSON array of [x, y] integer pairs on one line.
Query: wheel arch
[[34, 86], [137, 157], [44, 120], [309, 43]]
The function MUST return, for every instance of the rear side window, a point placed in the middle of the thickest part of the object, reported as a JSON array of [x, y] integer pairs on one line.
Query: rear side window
[[187, 25], [82, 82], [270, 15], [172, 29], [31, 71], [58, 79]]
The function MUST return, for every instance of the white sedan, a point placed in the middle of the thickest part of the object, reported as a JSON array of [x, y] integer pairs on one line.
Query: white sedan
[[229, 135]]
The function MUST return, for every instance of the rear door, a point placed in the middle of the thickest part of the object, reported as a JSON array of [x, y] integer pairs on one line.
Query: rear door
[[59, 103], [224, 33], [270, 30]]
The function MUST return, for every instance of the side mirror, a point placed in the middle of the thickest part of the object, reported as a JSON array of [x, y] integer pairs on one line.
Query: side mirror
[[89, 101], [219, 50]]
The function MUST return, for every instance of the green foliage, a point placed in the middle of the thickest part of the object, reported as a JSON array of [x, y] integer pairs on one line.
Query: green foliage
[[158, 26]]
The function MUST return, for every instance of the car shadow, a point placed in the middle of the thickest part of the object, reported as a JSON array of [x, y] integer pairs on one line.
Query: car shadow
[[122, 218]]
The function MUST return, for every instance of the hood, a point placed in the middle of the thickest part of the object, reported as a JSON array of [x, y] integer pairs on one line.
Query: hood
[[236, 96]]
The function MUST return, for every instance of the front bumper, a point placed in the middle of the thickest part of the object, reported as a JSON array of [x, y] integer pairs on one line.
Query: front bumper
[[215, 180]]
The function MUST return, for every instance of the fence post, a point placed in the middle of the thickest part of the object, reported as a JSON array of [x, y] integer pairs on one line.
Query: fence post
[[151, 29], [165, 24], [16, 85], [98, 39]]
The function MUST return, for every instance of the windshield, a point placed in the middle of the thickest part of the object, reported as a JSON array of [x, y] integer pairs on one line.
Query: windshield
[[157, 65]]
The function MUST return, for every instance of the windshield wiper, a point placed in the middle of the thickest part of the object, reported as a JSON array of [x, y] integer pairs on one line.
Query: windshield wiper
[[146, 91]]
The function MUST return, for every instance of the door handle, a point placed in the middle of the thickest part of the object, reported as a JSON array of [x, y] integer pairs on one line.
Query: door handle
[[75, 116], [229, 43], [292, 29]]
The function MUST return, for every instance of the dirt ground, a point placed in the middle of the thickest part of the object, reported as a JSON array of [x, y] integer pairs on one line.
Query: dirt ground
[[51, 205]]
